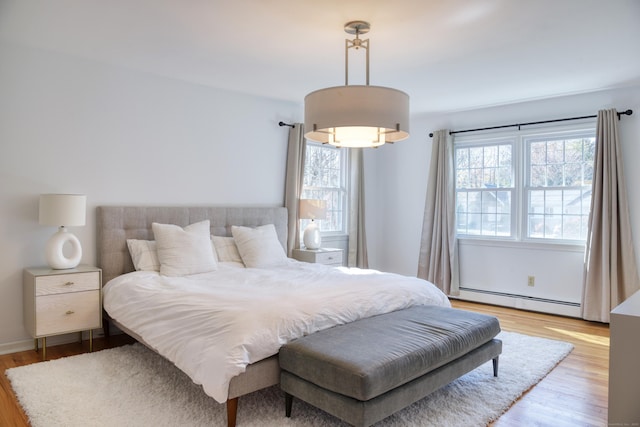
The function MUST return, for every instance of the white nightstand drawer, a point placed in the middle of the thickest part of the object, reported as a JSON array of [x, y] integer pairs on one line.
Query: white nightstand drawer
[[67, 312], [64, 283], [329, 258]]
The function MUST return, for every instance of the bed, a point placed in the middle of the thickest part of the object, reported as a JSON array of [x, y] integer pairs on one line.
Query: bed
[[254, 365]]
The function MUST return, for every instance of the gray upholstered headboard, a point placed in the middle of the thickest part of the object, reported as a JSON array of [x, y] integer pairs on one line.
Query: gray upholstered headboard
[[116, 224]]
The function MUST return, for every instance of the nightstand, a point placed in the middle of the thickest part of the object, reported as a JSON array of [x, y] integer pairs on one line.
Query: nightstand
[[62, 301], [327, 256]]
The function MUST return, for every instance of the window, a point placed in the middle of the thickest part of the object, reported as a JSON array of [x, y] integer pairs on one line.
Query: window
[[525, 186], [325, 178], [485, 188], [558, 185]]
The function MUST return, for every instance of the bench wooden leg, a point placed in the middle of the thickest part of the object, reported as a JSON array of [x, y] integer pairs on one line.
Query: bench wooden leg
[[288, 403], [495, 367], [232, 412]]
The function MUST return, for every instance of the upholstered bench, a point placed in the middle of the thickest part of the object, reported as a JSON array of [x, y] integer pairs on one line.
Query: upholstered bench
[[364, 371]]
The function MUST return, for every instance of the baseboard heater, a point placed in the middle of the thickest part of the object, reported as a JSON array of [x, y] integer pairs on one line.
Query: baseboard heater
[[504, 294]]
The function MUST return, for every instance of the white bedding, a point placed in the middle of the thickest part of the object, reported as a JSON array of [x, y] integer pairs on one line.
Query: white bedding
[[213, 325]]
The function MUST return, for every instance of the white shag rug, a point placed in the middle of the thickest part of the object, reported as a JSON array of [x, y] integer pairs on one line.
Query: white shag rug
[[132, 386]]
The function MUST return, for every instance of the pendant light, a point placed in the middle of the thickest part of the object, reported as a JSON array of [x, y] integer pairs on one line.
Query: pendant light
[[356, 116]]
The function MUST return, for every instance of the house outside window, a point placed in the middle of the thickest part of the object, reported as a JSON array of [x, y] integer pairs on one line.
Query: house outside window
[[325, 178], [525, 186]]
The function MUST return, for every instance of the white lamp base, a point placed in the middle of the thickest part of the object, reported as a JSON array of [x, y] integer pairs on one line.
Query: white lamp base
[[54, 251], [311, 237]]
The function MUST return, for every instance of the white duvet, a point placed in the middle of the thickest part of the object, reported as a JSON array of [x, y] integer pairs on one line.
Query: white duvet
[[213, 325]]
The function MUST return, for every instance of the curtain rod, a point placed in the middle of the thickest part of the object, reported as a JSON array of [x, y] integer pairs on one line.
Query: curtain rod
[[285, 124], [626, 113]]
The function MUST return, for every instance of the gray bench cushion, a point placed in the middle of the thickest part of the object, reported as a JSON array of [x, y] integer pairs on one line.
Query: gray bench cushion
[[371, 356]]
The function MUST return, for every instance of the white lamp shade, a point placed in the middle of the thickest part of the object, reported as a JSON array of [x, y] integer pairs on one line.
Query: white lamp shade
[[63, 209], [356, 116], [313, 209]]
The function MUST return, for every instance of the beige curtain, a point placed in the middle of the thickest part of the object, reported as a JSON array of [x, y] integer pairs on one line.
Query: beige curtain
[[293, 184], [357, 237], [610, 271], [438, 261]]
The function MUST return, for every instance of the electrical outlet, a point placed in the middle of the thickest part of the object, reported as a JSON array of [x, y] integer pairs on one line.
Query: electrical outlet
[[531, 281]]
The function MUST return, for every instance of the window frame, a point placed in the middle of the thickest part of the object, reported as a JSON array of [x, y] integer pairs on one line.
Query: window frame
[[521, 166], [343, 190], [475, 143], [579, 132]]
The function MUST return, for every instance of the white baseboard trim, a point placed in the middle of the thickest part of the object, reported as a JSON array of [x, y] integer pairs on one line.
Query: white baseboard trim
[[522, 303], [24, 345]]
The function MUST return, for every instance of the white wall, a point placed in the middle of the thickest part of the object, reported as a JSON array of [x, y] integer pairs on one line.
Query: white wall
[[120, 137], [396, 179]]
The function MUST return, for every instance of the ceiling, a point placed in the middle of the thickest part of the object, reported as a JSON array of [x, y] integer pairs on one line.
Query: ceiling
[[448, 55]]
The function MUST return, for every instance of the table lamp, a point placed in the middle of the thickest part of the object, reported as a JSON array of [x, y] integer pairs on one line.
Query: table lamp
[[312, 209], [63, 210]]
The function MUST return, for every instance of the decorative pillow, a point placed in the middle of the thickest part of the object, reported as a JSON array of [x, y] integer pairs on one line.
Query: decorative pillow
[[144, 254], [184, 251], [226, 249], [259, 247]]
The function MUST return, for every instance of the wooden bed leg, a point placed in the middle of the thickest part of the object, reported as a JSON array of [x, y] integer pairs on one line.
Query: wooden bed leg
[[288, 403], [106, 327], [495, 367], [232, 411]]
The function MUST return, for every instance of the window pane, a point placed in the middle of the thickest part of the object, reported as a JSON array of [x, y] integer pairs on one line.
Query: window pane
[[571, 227], [475, 203], [573, 174], [536, 226], [475, 157], [554, 175], [462, 158], [462, 178], [538, 176], [490, 156], [488, 224], [536, 202], [504, 156], [325, 179]]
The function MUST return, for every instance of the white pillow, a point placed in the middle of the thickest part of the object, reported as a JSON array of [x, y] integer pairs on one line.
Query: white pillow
[[259, 247], [143, 254], [183, 251], [226, 249]]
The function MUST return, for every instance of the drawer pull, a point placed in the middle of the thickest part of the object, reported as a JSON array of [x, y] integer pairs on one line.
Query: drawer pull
[[330, 258], [68, 283], [69, 312]]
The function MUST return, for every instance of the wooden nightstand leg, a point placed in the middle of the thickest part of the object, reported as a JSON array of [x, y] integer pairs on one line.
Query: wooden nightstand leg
[[35, 344], [90, 340], [44, 348]]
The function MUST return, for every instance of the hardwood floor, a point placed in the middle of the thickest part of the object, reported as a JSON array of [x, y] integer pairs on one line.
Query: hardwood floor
[[573, 394]]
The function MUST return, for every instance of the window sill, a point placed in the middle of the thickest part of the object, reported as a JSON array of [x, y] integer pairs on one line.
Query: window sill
[[528, 244]]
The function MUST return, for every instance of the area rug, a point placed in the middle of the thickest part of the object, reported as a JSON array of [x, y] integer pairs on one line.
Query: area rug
[[132, 386]]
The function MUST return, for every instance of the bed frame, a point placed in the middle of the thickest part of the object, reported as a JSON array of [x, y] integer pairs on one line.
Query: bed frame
[[116, 224]]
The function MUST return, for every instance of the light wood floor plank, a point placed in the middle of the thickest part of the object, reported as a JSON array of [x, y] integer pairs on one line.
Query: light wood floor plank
[[573, 394]]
